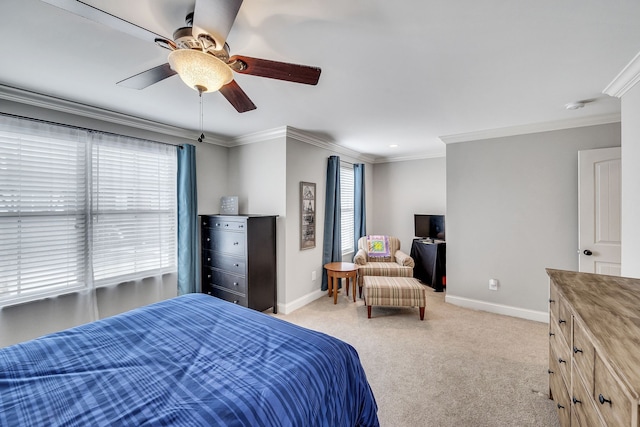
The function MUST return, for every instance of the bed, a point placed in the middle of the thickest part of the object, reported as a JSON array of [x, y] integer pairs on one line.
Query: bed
[[193, 360]]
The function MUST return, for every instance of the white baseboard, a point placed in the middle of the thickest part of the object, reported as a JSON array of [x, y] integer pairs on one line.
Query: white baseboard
[[300, 302], [538, 316]]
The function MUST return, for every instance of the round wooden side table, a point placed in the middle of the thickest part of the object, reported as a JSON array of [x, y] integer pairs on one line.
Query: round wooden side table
[[340, 270]]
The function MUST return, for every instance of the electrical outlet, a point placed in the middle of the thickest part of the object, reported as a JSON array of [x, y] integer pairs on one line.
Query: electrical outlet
[[493, 284], [313, 275]]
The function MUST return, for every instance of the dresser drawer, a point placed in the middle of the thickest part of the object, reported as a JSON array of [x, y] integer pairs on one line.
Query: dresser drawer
[[562, 358], [226, 280], [555, 335], [227, 295], [564, 320], [224, 262], [559, 391], [232, 243], [554, 372], [554, 300], [583, 354], [223, 224], [612, 402], [584, 412]]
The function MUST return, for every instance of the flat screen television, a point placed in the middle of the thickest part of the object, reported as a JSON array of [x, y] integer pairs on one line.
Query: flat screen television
[[429, 226]]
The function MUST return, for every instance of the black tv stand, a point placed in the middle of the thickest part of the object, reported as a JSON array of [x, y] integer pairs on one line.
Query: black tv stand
[[430, 256]]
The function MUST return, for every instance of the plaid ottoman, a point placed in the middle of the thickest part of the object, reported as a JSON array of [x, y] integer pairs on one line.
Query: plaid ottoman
[[394, 291]]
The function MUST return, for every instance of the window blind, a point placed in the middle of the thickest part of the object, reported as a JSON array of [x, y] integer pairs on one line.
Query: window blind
[[43, 228], [81, 208], [133, 207], [347, 221]]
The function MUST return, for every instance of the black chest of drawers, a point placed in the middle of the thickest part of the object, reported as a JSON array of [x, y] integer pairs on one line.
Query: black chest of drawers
[[239, 259]]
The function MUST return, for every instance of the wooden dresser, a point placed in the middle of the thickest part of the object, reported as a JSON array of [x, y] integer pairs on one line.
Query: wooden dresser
[[239, 259], [594, 349]]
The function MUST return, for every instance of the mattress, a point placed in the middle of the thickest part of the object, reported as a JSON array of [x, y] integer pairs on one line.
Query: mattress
[[188, 361]]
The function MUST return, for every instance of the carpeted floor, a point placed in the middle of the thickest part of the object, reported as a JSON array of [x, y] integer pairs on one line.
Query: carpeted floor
[[458, 367]]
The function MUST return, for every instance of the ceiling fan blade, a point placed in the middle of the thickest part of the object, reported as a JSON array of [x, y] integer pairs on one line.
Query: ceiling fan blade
[[94, 14], [215, 18], [149, 77], [276, 70], [236, 96]]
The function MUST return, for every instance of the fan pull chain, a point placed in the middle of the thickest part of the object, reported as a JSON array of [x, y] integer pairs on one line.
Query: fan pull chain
[[200, 90]]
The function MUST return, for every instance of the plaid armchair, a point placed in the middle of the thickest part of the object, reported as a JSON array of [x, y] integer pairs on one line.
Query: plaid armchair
[[398, 264]]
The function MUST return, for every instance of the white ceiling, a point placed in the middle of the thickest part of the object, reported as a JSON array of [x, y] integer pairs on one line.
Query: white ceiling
[[393, 72]]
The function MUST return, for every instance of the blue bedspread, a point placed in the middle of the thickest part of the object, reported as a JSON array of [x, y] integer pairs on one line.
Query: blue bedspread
[[193, 360]]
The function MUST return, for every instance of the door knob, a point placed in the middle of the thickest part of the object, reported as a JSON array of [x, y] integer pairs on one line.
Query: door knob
[[587, 252]]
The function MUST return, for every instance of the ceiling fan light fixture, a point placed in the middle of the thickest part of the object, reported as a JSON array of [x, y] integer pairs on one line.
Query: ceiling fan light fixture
[[199, 70]]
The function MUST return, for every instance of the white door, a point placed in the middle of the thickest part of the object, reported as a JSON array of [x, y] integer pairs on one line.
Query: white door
[[599, 210]]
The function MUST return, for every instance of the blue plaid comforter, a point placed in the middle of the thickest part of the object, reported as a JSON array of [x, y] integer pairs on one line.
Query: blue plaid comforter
[[193, 360]]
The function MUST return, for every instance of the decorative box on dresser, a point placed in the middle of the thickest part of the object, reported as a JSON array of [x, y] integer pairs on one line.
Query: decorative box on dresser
[[594, 349], [239, 259]]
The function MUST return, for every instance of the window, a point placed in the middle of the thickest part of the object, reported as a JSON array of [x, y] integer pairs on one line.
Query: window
[[346, 206], [81, 208], [133, 208]]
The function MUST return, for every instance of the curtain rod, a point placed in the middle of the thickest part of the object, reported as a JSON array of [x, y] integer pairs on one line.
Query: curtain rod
[[83, 128]]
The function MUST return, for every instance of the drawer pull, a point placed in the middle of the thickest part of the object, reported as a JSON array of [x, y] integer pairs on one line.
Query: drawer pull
[[208, 239], [576, 401], [218, 224], [235, 283], [209, 293], [551, 334], [208, 276], [561, 360], [551, 301], [560, 322], [204, 222], [560, 406], [208, 259], [602, 400], [576, 350], [550, 371], [236, 265], [235, 301], [236, 243], [226, 225]]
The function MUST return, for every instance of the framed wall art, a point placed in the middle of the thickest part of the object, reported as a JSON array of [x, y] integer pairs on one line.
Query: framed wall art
[[307, 215]]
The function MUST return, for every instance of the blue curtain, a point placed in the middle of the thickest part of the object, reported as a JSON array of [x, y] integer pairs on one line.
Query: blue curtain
[[188, 278], [359, 206], [332, 248]]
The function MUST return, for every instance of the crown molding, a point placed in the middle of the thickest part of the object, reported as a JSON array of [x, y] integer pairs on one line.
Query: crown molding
[[532, 128], [308, 138], [39, 100], [261, 136], [301, 136], [311, 139], [423, 156], [625, 80]]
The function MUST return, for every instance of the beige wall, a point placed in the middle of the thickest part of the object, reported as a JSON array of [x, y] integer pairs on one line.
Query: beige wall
[[512, 211], [307, 162], [402, 189], [212, 176]]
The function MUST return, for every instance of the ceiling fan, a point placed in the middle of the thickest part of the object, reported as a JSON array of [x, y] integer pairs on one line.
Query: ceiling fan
[[199, 52]]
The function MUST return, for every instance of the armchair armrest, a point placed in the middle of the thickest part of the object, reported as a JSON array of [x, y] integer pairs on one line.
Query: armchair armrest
[[404, 259], [360, 258]]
